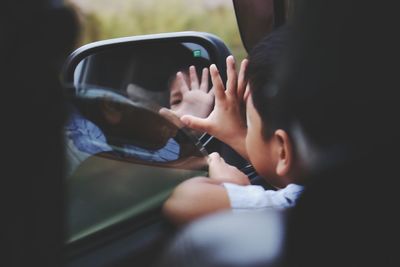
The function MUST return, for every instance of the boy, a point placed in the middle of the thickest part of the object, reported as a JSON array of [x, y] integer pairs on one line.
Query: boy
[[265, 142]]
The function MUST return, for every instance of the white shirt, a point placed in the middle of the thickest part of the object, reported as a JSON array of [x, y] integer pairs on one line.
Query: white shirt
[[251, 197]]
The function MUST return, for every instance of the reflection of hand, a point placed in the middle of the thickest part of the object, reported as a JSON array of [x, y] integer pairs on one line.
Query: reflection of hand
[[225, 173], [171, 116], [227, 121], [189, 97]]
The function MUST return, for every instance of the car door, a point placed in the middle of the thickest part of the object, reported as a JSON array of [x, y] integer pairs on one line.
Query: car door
[[123, 157], [117, 180]]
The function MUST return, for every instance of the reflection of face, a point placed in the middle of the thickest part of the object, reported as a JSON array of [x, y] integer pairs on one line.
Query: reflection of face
[[148, 127], [141, 127], [259, 150], [175, 91], [139, 94]]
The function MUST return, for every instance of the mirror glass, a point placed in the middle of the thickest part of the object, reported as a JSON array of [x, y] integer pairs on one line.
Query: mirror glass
[[125, 146], [142, 70]]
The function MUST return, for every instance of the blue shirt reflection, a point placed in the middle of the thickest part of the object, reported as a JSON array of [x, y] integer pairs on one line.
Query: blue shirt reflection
[[84, 138]]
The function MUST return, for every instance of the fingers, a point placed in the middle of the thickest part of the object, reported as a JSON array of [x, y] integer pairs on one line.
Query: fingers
[[218, 169], [194, 81], [211, 92], [231, 82], [242, 83], [196, 123], [246, 93], [170, 115], [182, 82], [214, 157], [218, 85], [214, 164], [204, 80]]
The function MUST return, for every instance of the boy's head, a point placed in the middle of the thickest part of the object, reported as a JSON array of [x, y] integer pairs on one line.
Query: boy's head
[[267, 142]]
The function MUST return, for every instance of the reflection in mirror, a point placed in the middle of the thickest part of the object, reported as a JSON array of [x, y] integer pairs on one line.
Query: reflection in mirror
[[125, 146], [108, 122], [143, 70]]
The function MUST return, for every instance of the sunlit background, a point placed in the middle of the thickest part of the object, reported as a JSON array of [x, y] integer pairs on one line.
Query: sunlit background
[[104, 19]]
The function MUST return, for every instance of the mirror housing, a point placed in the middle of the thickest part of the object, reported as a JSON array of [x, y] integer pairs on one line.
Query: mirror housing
[[214, 46], [109, 58]]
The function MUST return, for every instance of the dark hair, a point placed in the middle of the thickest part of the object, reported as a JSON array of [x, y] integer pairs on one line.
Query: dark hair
[[261, 73], [338, 81], [341, 82]]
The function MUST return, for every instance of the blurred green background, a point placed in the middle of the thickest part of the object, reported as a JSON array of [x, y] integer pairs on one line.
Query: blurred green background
[[104, 19]]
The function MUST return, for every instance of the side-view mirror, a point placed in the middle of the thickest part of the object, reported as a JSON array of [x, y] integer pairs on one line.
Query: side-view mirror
[[147, 61], [141, 71], [118, 133], [121, 84]]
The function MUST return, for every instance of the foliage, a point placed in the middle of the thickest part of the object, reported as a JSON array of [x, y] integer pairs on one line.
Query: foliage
[[137, 17]]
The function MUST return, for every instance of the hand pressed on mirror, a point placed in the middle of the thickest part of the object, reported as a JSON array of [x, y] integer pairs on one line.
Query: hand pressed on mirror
[[188, 96], [229, 109]]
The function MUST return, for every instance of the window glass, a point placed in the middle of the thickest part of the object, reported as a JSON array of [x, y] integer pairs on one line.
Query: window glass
[[104, 191], [123, 155], [130, 171]]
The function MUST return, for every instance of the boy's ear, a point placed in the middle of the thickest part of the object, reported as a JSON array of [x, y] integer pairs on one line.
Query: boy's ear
[[111, 110], [285, 153]]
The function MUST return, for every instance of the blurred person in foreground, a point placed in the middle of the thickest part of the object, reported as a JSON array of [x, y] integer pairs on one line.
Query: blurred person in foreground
[[36, 38]]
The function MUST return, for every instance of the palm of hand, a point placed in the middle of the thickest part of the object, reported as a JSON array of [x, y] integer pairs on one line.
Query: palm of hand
[[196, 103], [189, 96], [230, 115]]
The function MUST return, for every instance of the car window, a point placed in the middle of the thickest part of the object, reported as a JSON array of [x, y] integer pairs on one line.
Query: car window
[[123, 156], [115, 176], [104, 191]]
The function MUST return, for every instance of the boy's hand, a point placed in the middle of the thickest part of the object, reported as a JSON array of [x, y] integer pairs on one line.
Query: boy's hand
[[227, 120], [221, 171]]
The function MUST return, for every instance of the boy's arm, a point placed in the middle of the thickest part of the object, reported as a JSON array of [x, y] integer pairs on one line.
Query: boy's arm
[[200, 196], [195, 198]]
